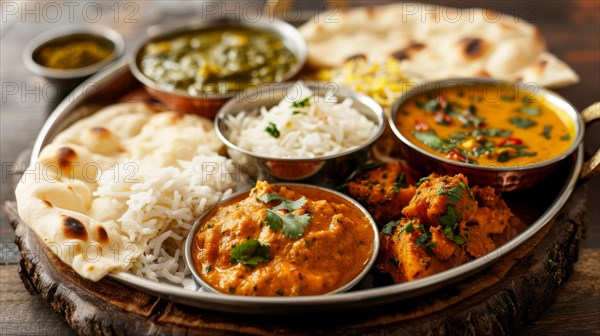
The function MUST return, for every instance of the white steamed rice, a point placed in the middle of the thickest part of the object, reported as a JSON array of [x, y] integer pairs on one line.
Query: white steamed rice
[[322, 128], [161, 207]]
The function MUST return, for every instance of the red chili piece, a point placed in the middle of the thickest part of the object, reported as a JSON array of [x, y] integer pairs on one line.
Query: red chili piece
[[512, 141], [456, 156], [421, 126]]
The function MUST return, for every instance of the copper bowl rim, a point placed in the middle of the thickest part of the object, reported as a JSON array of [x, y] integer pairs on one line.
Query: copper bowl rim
[[286, 32], [553, 97], [233, 106], [343, 288]]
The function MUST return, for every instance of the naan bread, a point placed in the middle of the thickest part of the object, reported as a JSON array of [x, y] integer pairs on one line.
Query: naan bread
[[56, 197], [436, 42]]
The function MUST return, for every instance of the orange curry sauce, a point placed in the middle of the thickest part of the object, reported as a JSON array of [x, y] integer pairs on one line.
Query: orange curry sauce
[[486, 125], [334, 248]]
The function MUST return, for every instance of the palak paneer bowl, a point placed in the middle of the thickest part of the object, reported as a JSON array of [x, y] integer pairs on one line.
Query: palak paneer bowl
[[282, 240], [197, 67], [506, 135]]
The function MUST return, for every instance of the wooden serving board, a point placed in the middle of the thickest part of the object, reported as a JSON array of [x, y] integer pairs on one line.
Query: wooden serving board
[[498, 300]]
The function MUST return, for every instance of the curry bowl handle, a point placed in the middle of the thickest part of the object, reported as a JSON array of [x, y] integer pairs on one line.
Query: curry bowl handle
[[592, 166]]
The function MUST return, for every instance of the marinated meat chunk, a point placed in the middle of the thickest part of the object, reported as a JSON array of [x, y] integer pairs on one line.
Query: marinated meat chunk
[[384, 191]]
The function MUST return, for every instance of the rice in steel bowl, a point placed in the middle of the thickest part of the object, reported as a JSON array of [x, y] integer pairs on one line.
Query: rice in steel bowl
[[302, 125]]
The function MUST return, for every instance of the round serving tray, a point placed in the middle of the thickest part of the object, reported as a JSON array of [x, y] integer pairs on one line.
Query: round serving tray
[[536, 207]]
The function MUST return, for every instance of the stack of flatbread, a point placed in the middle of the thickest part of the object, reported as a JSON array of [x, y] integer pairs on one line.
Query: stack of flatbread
[[91, 198], [436, 42]]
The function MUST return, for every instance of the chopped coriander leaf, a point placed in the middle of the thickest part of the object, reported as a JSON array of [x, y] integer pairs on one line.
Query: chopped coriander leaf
[[546, 132], [424, 237], [466, 187], [285, 204], [454, 194], [400, 183], [394, 262], [389, 227], [231, 290], [507, 98], [523, 123], [293, 225], [302, 103], [429, 246], [423, 179], [565, 137], [532, 110], [503, 157], [458, 135], [272, 130], [527, 100], [296, 112], [456, 238], [430, 139], [251, 253], [408, 228], [451, 218], [431, 105]]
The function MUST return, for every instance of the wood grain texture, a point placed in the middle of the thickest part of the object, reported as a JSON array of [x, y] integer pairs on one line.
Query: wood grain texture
[[499, 300]]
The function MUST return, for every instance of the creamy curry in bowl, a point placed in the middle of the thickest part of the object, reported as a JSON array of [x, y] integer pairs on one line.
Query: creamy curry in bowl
[[283, 240]]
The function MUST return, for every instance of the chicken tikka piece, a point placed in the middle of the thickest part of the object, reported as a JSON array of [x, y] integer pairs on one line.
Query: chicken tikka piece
[[444, 225], [385, 190]]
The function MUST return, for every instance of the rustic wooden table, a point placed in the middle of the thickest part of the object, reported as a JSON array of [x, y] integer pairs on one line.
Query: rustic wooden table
[[571, 29]]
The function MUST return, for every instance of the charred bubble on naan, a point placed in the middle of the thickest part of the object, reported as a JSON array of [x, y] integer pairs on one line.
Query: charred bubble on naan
[[437, 42], [63, 196]]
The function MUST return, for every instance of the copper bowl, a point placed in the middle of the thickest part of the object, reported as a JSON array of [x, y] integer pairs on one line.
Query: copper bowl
[[501, 178], [207, 105]]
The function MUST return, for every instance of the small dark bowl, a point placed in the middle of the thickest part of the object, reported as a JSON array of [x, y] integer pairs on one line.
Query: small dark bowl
[[67, 79], [208, 105], [501, 178]]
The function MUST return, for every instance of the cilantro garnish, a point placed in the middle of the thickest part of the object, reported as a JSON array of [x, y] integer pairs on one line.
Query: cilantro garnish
[[400, 183], [546, 132], [456, 238], [293, 225], [451, 217], [532, 110], [272, 130], [426, 178], [424, 237], [408, 227], [565, 137], [429, 246], [389, 227], [394, 261], [250, 253], [430, 139], [454, 194], [450, 223], [523, 123], [302, 103]]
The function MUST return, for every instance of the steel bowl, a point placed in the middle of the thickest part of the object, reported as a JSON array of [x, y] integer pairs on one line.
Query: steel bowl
[[199, 222], [328, 170], [205, 104], [68, 79], [501, 178]]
